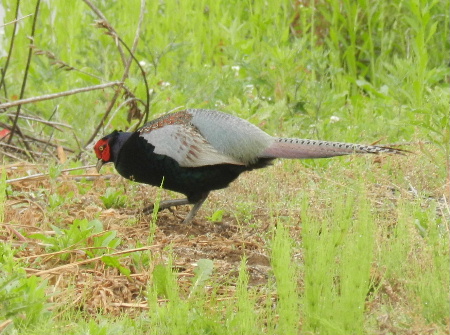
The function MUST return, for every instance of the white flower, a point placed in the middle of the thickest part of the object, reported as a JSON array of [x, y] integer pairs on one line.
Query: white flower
[[236, 69], [334, 119]]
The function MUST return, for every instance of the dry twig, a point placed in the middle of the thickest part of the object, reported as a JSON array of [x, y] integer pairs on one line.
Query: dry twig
[[15, 20], [39, 175], [60, 94], [25, 77], [92, 260], [11, 47]]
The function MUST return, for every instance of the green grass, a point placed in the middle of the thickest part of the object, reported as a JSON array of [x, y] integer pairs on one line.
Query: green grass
[[365, 69], [339, 251], [285, 273], [352, 245]]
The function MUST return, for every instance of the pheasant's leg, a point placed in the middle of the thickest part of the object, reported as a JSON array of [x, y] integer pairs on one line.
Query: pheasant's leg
[[166, 204], [195, 209]]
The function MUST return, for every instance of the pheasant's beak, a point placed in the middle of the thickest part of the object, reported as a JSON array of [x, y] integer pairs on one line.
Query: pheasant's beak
[[99, 165]]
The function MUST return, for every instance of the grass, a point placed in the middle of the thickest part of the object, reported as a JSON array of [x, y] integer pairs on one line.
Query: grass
[[285, 273], [338, 257], [344, 252], [345, 246]]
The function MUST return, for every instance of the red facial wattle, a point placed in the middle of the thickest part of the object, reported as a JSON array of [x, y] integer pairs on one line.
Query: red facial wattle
[[102, 150]]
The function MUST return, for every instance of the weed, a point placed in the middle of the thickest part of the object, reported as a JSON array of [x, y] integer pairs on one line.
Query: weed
[[203, 272], [115, 263], [216, 216], [244, 211], [433, 280], [55, 200], [285, 272], [81, 234], [244, 320], [22, 299], [113, 198], [338, 256]]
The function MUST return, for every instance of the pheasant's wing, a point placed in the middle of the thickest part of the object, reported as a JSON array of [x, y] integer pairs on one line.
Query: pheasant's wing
[[186, 145], [231, 135]]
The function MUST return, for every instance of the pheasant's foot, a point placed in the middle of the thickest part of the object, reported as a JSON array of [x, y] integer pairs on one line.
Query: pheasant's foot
[[166, 204]]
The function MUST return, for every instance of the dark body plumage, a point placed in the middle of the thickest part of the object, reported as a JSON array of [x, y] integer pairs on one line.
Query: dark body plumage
[[138, 161], [196, 151]]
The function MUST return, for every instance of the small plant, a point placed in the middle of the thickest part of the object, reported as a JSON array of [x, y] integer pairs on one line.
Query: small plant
[[217, 216], [285, 272], [203, 272], [244, 211], [152, 227], [177, 315], [244, 320], [22, 299], [338, 251], [113, 198], [141, 260], [115, 263], [162, 276], [81, 234], [55, 200], [54, 171]]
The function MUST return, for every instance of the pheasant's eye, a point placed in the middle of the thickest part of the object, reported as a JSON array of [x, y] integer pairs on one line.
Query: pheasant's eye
[[101, 148]]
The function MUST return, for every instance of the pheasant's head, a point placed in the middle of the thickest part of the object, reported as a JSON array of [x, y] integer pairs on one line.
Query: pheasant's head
[[103, 149]]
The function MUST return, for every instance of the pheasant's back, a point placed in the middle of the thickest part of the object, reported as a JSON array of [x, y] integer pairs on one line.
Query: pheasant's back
[[228, 134], [231, 135], [179, 118]]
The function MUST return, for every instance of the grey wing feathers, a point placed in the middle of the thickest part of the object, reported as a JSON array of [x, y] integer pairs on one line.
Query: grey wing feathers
[[185, 145], [303, 148], [231, 136]]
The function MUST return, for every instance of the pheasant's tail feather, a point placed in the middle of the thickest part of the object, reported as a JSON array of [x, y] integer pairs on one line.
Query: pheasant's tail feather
[[302, 148]]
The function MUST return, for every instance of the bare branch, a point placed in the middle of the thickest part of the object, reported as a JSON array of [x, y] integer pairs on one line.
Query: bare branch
[[58, 269], [11, 46], [10, 155], [47, 142], [60, 94], [126, 102], [25, 76], [147, 105], [12, 147], [15, 20], [49, 123], [34, 176]]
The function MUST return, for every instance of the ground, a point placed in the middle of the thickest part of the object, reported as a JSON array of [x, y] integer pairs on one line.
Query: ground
[[251, 207]]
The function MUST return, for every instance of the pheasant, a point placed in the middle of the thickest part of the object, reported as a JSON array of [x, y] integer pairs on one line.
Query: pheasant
[[195, 151]]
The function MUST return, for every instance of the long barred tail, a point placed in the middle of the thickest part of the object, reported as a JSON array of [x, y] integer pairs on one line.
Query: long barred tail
[[302, 148]]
